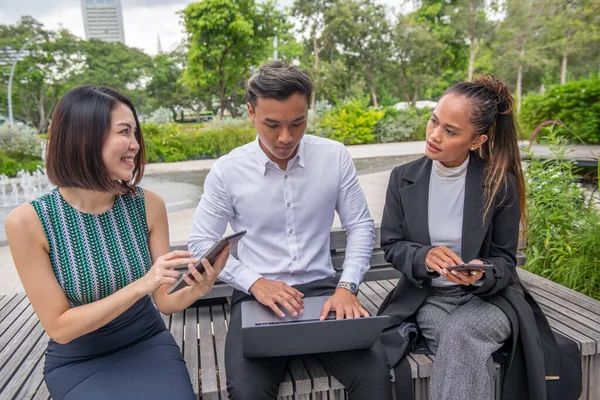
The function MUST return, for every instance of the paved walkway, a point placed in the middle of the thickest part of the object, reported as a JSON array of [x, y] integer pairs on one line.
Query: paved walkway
[[374, 186]]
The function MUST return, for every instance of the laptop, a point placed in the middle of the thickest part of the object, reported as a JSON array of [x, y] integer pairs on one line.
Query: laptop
[[265, 334]]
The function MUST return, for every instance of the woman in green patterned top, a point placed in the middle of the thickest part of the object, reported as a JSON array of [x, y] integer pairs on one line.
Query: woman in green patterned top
[[92, 251]]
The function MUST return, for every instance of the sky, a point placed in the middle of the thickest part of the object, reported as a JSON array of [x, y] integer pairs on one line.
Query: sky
[[143, 20]]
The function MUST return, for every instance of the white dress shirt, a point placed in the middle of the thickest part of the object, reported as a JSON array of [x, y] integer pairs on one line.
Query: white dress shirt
[[287, 214]]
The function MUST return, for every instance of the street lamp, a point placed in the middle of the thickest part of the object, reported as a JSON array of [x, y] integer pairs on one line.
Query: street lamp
[[10, 77]]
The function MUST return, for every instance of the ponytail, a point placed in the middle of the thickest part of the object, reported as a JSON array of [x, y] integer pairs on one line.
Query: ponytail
[[492, 115]]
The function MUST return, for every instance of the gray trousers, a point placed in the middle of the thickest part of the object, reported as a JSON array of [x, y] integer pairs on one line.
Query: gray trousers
[[462, 331]]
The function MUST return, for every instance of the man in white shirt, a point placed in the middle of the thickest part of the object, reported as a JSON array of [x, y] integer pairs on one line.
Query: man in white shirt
[[284, 189]]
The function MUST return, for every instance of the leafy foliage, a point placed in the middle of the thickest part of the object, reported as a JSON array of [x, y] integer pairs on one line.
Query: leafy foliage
[[563, 241], [351, 123], [21, 148], [173, 142], [575, 104], [401, 125], [226, 38]]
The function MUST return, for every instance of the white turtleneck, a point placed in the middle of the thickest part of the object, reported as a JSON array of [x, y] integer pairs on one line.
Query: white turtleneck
[[446, 207]]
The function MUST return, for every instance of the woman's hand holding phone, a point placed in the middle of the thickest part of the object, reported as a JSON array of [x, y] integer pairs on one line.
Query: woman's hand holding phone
[[203, 282], [439, 258]]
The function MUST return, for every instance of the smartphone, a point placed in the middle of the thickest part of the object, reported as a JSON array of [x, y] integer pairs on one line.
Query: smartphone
[[464, 267], [210, 255]]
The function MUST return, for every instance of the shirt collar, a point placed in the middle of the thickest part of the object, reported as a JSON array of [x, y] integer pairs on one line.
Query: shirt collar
[[263, 160]]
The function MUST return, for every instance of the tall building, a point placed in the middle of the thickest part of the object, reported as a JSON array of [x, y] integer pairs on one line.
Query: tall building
[[103, 19]]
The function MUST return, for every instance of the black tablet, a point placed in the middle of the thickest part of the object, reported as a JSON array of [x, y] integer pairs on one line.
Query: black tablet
[[211, 255]]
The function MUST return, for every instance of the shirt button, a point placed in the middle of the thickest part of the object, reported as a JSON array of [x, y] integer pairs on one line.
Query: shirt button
[[295, 258], [289, 205], [285, 176], [293, 274], [291, 231]]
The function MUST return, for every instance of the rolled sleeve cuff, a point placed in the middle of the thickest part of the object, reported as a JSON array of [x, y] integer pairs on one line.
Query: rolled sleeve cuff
[[418, 268], [352, 274], [245, 279]]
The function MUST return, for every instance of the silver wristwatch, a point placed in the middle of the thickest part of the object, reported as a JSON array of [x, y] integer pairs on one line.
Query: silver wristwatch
[[349, 286]]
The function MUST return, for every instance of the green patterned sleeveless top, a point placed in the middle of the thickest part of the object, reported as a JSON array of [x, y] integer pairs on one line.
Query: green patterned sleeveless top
[[94, 255]]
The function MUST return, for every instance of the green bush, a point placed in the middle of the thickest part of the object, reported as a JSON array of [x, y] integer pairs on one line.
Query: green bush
[[563, 239], [351, 123], [402, 125], [174, 142], [9, 166], [21, 149], [575, 104]]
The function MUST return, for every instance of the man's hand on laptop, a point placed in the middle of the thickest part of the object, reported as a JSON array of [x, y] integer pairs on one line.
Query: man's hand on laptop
[[345, 304], [272, 293]]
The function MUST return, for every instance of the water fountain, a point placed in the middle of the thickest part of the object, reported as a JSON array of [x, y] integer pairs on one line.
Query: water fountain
[[25, 186]]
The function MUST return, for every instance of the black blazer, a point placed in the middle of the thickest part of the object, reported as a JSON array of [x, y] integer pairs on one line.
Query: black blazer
[[533, 352]]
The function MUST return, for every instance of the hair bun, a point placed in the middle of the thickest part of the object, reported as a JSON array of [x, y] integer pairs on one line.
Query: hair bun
[[504, 99]]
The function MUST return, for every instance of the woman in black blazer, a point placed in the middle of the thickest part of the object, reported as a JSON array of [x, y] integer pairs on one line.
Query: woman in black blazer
[[462, 203]]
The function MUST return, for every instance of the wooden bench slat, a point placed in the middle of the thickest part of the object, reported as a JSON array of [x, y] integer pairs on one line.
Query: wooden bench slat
[[371, 295], [414, 367], [19, 354], [577, 319], [386, 285], [366, 303], [17, 341], [190, 353], [176, 329], [588, 317], [26, 369], [568, 321], [377, 290], [42, 393], [220, 330], [33, 382], [227, 308], [286, 387], [585, 367], [530, 278], [209, 384], [300, 377], [424, 365], [10, 306], [594, 376], [586, 345], [16, 321], [4, 299], [317, 373]]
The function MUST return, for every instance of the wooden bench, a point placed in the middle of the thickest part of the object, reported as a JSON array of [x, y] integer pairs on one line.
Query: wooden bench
[[200, 332]]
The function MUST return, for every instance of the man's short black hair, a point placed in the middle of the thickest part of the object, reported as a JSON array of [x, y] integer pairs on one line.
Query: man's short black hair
[[279, 80]]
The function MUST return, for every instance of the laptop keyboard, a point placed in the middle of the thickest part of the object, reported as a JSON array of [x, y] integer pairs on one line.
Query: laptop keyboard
[[291, 321]]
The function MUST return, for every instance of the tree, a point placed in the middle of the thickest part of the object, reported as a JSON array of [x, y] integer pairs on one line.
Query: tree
[[418, 58], [225, 39], [311, 18], [576, 28], [471, 19], [166, 88], [115, 65], [523, 49], [359, 31], [42, 74]]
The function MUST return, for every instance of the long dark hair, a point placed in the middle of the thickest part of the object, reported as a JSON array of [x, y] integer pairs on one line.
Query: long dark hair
[[80, 124], [492, 115]]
